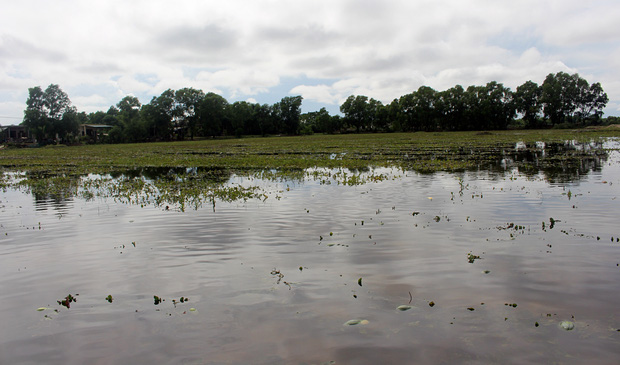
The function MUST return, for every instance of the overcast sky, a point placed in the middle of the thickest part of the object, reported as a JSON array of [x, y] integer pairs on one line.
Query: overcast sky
[[99, 51]]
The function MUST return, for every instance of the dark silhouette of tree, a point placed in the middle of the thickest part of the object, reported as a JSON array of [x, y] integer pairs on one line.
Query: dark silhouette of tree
[[527, 100], [570, 99], [288, 111], [212, 115], [49, 114]]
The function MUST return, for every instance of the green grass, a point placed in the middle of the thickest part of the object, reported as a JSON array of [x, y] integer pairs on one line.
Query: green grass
[[416, 151], [155, 173]]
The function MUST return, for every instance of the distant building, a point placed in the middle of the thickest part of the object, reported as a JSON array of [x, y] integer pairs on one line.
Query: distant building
[[94, 131], [14, 133]]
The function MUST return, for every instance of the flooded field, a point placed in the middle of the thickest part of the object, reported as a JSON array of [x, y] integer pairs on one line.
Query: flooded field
[[516, 261]]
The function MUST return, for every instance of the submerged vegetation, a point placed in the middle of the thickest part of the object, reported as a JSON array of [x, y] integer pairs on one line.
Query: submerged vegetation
[[196, 172], [464, 247]]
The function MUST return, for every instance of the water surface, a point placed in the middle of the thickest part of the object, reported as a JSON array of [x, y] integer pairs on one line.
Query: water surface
[[273, 280]]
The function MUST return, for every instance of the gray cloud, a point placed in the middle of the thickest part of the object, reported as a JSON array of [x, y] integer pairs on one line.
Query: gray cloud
[[13, 49], [192, 44], [378, 48]]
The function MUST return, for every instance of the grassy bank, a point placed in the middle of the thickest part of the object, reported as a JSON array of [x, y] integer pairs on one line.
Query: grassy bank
[[417, 151]]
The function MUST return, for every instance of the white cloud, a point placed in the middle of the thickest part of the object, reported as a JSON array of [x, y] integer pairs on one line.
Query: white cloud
[[241, 49]]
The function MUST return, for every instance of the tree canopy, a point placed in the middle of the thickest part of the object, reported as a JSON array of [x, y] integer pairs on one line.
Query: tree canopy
[[561, 100], [49, 114]]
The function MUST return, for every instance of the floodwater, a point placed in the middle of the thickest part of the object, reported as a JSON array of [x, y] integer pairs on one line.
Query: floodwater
[[490, 262]]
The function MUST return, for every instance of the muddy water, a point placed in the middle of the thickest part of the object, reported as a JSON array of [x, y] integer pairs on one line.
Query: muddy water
[[274, 281]]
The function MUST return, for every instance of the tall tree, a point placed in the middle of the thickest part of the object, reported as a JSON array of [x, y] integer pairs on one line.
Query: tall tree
[[35, 115], [129, 127], [591, 103], [360, 112], [240, 114], [452, 109], [422, 105], [212, 114], [288, 110], [488, 107], [558, 96], [159, 116], [527, 102], [571, 99], [187, 103], [49, 113], [265, 119]]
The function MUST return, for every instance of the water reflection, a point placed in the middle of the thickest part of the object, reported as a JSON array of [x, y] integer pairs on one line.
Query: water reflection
[[407, 235], [558, 162], [189, 186]]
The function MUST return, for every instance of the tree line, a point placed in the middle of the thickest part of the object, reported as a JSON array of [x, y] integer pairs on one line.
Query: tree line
[[562, 100]]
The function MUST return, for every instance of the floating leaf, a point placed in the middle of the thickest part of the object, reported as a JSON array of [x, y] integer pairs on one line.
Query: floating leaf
[[354, 322], [192, 309], [567, 325], [359, 281], [41, 309], [404, 307], [67, 301], [109, 298]]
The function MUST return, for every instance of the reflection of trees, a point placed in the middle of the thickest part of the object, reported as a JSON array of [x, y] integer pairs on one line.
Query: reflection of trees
[[56, 191], [558, 162], [212, 175], [181, 186], [159, 186]]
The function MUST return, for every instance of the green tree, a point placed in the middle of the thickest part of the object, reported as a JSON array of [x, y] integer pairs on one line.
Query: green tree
[[129, 106], [527, 101], [265, 119], [591, 103], [187, 103], [571, 99], [488, 107], [288, 111], [452, 111], [360, 112], [212, 114], [418, 110], [158, 116], [377, 120], [317, 121], [130, 126], [421, 109], [558, 97], [49, 114], [240, 114], [35, 116]]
